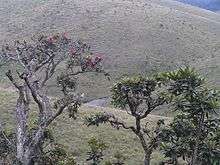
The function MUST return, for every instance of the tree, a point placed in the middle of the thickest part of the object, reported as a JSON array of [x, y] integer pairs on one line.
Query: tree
[[34, 64], [50, 153], [139, 96], [192, 134], [178, 141], [97, 148]]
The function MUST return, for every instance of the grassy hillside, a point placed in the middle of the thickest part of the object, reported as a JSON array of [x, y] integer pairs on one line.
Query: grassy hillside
[[74, 134], [134, 36]]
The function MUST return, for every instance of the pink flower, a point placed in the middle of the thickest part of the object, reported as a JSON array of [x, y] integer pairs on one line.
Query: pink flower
[[98, 58], [89, 62], [50, 40], [65, 35], [73, 51]]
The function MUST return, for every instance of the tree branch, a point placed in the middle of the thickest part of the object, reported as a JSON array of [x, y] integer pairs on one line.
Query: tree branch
[[151, 106], [11, 78], [34, 94]]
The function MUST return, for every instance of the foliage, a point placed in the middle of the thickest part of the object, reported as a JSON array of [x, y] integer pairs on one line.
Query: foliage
[[138, 96], [97, 147], [138, 86], [36, 62], [58, 154], [50, 153], [190, 135], [97, 119], [180, 138]]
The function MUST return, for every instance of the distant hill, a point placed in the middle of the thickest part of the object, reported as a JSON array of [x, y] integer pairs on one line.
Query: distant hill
[[213, 5], [134, 36]]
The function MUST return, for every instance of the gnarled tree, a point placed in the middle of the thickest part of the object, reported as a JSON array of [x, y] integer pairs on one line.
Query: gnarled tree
[[34, 64], [138, 96]]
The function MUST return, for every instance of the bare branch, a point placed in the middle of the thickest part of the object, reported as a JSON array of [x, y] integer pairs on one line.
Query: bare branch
[[115, 122], [34, 94], [45, 62], [151, 106], [11, 78]]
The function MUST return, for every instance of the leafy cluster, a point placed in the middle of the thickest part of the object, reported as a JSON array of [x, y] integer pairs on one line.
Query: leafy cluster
[[180, 137], [138, 96], [97, 147], [138, 87], [81, 55], [97, 119], [191, 134], [58, 154]]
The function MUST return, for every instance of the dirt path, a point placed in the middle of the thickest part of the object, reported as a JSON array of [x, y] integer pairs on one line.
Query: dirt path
[[98, 102]]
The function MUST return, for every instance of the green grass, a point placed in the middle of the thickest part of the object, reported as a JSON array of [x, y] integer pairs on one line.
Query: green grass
[[74, 134]]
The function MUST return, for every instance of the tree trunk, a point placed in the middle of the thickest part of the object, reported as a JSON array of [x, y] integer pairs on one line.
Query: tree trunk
[[21, 130], [194, 160], [147, 151], [147, 158], [195, 155], [20, 143], [27, 159], [175, 160]]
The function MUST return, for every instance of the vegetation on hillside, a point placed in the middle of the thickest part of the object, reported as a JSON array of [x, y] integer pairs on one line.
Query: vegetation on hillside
[[35, 64], [139, 97], [193, 135]]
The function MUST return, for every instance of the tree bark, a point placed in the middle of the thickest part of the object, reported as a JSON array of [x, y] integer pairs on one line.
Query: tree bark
[[195, 154], [194, 160], [139, 133], [175, 160], [26, 145], [147, 158], [27, 159], [21, 118], [147, 152]]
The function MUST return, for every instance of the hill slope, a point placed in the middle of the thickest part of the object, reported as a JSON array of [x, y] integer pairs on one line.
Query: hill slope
[[135, 36], [74, 134]]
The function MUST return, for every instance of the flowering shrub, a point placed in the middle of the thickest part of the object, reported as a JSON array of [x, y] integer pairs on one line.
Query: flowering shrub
[[35, 63], [81, 55]]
